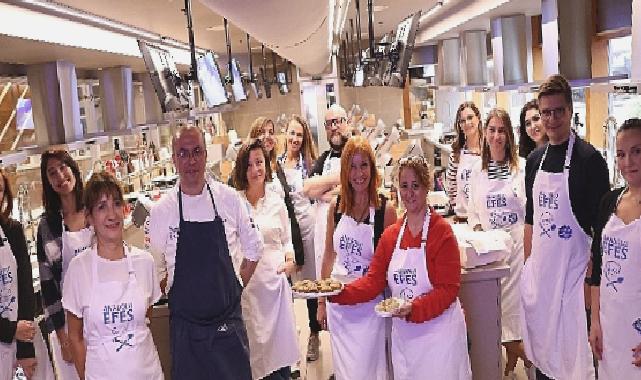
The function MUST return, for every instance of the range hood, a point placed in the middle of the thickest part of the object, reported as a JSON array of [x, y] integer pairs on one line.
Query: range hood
[[310, 27]]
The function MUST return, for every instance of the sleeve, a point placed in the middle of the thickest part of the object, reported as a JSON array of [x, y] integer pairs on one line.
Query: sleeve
[[7, 330], [530, 174], [473, 206], [156, 242], [26, 296], [373, 283], [50, 273], [251, 242], [318, 165], [288, 246], [606, 208], [444, 270], [450, 178], [73, 299], [598, 184]]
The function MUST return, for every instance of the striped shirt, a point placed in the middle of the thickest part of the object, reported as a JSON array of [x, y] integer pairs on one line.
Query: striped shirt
[[498, 170], [450, 177]]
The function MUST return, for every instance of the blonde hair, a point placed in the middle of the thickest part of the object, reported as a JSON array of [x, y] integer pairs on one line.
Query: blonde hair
[[256, 129], [355, 145]]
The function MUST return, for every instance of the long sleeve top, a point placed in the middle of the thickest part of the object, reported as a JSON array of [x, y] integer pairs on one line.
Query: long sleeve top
[[26, 298], [442, 259], [49, 250]]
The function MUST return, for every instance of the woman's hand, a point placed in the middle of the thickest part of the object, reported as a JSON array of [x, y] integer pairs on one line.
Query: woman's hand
[[321, 314], [596, 339], [28, 366], [403, 311], [65, 346], [289, 268], [636, 354], [25, 330]]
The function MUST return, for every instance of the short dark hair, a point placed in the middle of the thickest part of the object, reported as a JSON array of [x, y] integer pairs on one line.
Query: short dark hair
[[633, 124], [242, 163], [556, 85], [50, 199], [7, 199], [101, 183]]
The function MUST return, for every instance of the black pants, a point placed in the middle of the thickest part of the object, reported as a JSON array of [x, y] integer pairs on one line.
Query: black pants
[[284, 373], [312, 308]]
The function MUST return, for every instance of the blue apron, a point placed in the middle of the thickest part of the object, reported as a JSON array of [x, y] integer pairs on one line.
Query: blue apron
[[208, 336]]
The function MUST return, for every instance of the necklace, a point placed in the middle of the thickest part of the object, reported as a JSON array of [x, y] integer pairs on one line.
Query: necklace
[[362, 215]]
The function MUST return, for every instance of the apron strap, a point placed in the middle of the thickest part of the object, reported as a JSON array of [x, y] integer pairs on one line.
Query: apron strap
[[568, 153], [426, 226], [3, 238], [131, 274], [180, 202]]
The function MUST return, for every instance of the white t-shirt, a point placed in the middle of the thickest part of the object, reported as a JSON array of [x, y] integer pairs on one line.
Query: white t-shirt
[[161, 227], [76, 294]]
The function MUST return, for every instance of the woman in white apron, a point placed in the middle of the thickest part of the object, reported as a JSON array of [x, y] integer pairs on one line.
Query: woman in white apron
[[109, 291], [62, 234], [465, 154], [267, 300], [21, 341], [615, 332], [349, 249], [418, 258], [552, 286], [497, 201]]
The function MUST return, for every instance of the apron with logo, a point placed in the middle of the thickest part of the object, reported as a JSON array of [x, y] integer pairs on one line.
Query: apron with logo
[[463, 174], [347, 324], [503, 208], [119, 343], [330, 166], [620, 290], [8, 305], [554, 324], [434, 349]]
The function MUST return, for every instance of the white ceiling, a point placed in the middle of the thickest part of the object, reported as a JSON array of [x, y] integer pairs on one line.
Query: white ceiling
[[166, 18]]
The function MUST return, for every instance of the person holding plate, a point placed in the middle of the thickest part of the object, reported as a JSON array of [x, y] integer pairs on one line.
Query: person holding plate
[[267, 300], [355, 222], [418, 258]]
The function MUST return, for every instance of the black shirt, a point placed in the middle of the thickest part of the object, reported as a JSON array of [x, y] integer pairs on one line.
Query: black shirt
[[318, 165], [588, 179], [607, 207], [26, 299]]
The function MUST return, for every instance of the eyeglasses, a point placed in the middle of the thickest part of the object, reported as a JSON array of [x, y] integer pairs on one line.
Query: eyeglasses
[[547, 114], [419, 160], [467, 119], [332, 122], [197, 153], [534, 119]]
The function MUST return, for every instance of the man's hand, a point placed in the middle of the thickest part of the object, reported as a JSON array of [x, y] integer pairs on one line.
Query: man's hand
[[28, 366], [25, 331]]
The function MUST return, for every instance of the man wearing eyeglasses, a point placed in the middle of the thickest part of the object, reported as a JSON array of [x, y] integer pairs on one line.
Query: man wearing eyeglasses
[[322, 187], [564, 183], [189, 232]]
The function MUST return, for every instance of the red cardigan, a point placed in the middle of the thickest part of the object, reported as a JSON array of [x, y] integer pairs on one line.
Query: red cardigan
[[443, 269]]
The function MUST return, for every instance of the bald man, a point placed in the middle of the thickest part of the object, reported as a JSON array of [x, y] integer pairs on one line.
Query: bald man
[[189, 232]]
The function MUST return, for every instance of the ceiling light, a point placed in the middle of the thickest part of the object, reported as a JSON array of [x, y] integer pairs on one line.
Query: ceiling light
[[380, 8], [216, 28]]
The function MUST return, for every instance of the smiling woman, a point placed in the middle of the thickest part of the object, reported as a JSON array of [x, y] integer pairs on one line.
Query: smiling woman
[[109, 291]]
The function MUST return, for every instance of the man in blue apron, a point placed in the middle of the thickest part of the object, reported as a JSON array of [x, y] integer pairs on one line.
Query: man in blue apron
[[564, 183], [189, 231], [322, 187]]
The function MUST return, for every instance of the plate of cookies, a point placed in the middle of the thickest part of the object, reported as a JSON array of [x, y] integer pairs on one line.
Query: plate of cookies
[[316, 288], [387, 307]]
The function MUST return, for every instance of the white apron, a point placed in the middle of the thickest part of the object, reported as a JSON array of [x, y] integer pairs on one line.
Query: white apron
[[435, 349], [331, 165], [463, 174], [8, 305], [73, 242], [267, 308], [123, 347], [305, 216], [620, 298], [502, 207], [347, 324], [554, 323]]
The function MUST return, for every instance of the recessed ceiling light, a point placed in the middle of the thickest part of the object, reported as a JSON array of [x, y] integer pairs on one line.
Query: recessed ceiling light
[[216, 28], [380, 8]]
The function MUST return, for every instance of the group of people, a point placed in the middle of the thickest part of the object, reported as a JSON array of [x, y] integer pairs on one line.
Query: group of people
[[225, 256]]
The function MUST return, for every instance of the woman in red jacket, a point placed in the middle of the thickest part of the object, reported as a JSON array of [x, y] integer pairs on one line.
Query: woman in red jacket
[[418, 258]]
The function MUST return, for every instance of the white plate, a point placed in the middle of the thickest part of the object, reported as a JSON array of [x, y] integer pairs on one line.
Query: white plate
[[388, 314], [316, 295]]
